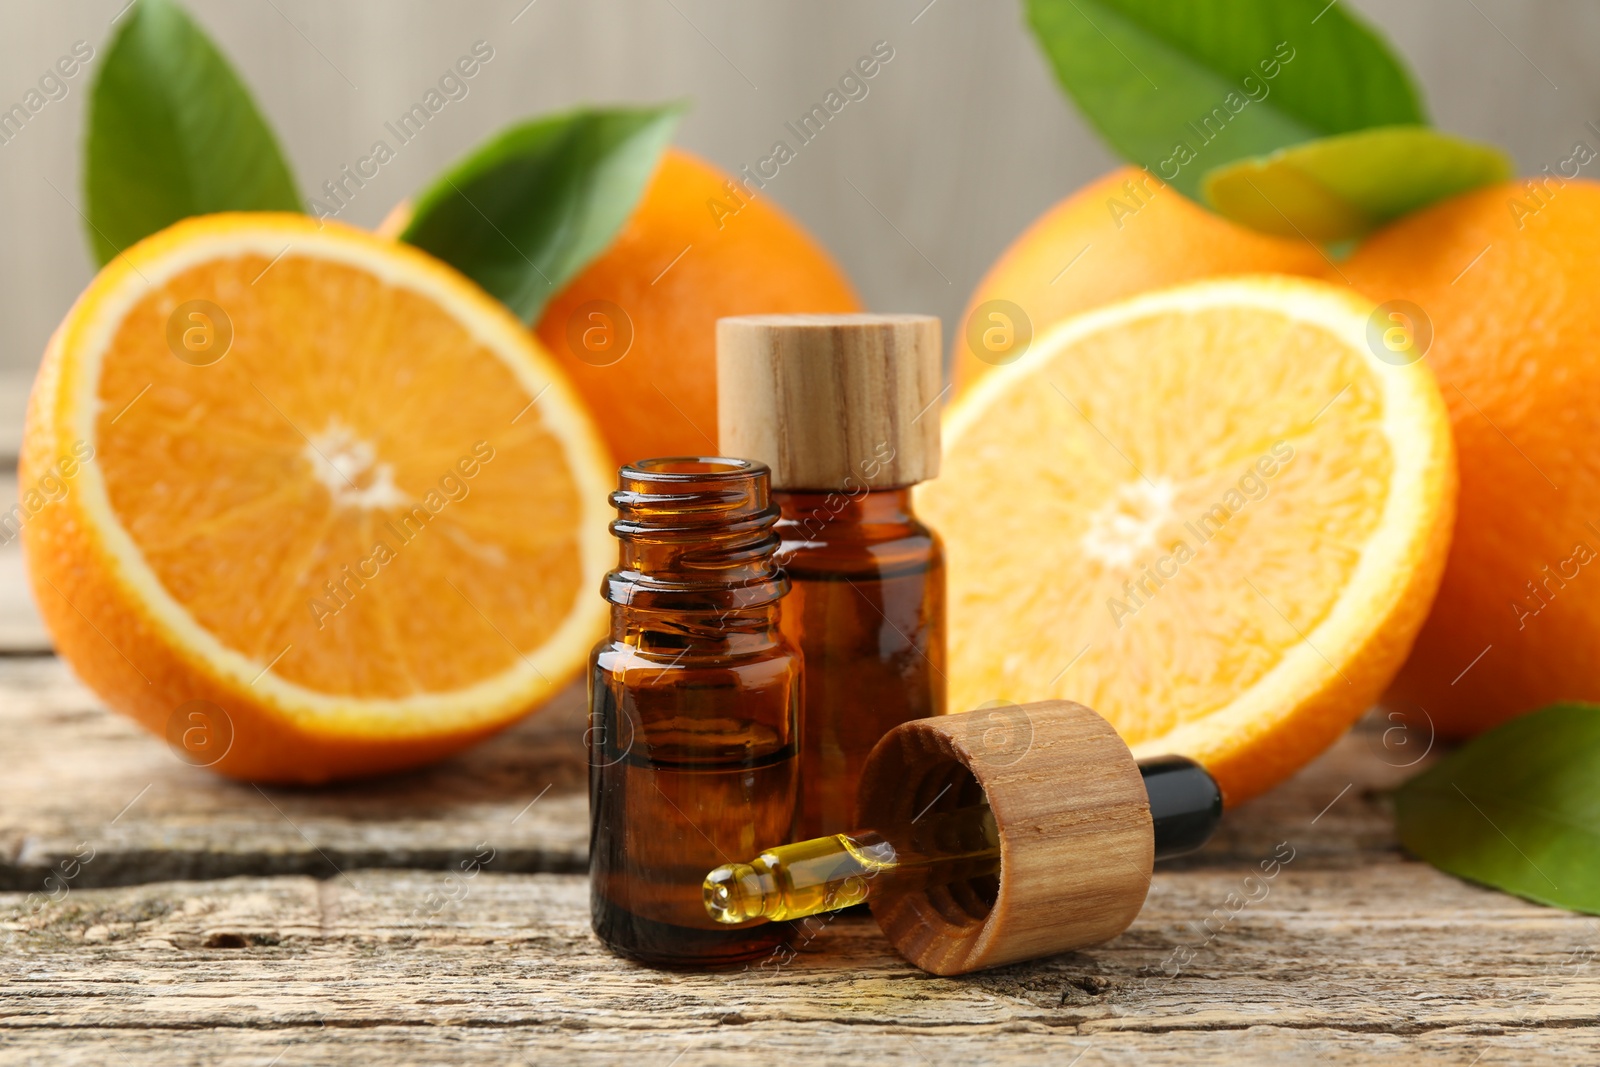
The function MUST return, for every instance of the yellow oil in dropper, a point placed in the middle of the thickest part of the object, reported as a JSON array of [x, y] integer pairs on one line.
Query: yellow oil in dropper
[[829, 873]]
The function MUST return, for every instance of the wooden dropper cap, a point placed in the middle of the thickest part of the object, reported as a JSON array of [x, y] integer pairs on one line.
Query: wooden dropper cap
[[831, 402], [1072, 814]]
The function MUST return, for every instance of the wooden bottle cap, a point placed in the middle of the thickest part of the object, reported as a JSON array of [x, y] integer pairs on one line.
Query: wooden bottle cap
[[831, 402], [1076, 841]]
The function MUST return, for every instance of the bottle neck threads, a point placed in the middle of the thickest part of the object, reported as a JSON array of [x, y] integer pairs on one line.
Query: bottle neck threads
[[696, 535]]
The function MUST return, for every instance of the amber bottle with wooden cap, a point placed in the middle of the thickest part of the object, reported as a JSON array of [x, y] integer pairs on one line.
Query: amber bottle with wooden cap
[[694, 709], [843, 409], [995, 836]]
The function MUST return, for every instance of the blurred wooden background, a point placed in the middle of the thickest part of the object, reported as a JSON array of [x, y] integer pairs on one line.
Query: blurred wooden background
[[962, 140]]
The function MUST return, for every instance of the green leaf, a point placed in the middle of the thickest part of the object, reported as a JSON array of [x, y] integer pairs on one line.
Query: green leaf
[[1517, 808], [530, 208], [1183, 86], [1344, 186], [173, 133]]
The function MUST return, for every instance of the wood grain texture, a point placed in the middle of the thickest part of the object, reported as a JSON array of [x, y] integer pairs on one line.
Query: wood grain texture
[[832, 403], [311, 928], [71, 767], [1402, 962], [1071, 813]]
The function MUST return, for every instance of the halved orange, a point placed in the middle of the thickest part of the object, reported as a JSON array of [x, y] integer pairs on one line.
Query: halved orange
[[341, 514], [1212, 513]]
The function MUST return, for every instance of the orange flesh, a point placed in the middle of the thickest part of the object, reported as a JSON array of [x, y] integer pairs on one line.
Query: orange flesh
[[306, 448], [1047, 535]]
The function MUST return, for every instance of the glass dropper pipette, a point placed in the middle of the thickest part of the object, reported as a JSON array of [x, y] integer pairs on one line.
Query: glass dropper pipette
[[830, 873]]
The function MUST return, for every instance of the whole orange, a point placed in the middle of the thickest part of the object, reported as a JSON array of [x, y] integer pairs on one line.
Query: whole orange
[[1116, 237], [636, 329], [1509, 280], [693, 251]]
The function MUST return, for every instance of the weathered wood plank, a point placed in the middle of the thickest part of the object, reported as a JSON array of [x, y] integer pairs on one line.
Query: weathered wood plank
[[1396, 961], [739, 1046], [73, 767], [1350, 950]]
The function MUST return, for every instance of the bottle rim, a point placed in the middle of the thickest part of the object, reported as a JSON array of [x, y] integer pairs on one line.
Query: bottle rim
[[693, 469]]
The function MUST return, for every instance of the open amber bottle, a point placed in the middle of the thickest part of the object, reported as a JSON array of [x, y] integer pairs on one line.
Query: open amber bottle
[[843, 408], [694, 709]]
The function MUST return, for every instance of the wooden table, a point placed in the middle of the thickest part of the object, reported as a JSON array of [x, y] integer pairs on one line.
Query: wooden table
[[221, 923]]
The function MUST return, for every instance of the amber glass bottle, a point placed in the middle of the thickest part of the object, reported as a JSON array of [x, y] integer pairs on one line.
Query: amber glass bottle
[[844, 410], [694, 709], [867, 608]]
